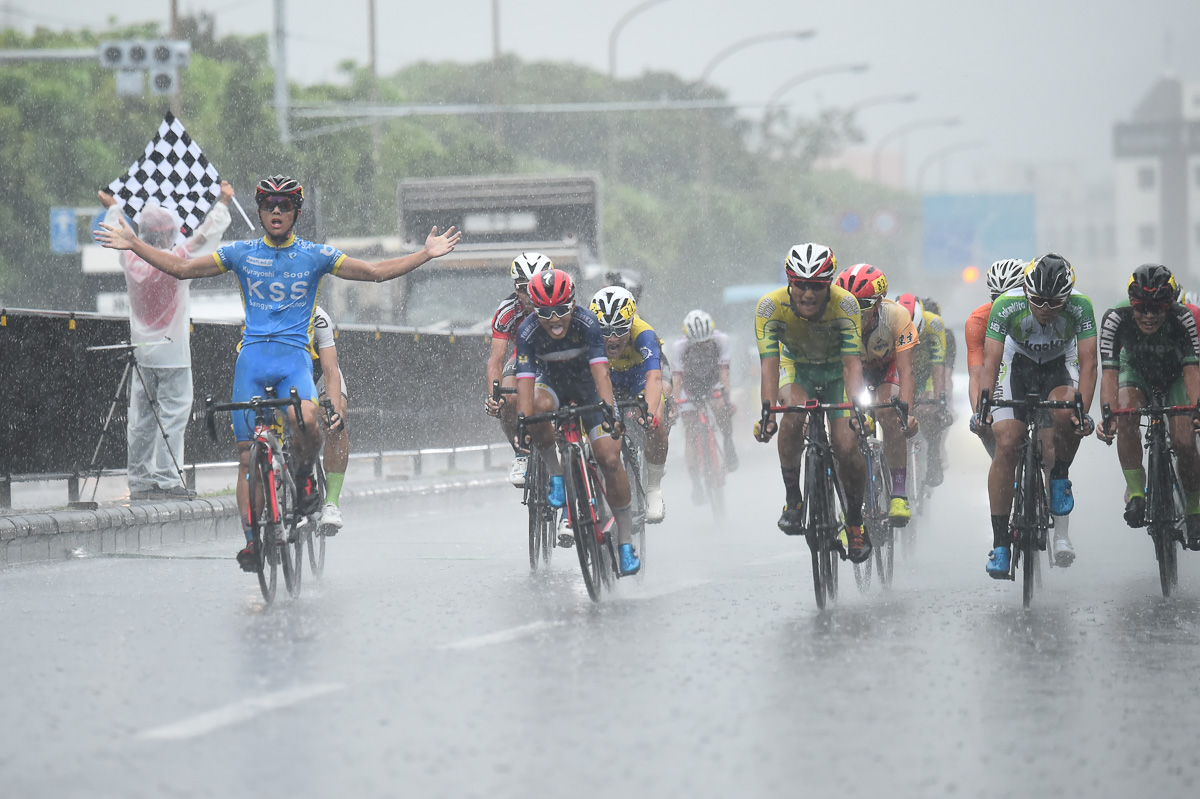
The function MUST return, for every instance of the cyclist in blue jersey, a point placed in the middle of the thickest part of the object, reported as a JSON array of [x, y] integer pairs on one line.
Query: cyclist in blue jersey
[[561, 359], [279, 276]]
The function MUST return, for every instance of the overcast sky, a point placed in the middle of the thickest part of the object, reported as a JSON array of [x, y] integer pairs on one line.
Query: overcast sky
[[1037, 79]]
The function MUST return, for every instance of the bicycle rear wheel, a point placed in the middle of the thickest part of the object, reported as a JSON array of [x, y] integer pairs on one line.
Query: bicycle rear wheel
[[714, 472], [315, 533], [291, 549], [262, 524], [633, 471], [583, 524], [535, 498], [815, 515]]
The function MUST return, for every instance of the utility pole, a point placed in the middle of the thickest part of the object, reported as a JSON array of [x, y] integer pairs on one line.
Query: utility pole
[[282, 101], [376, 130], [495, 30], [176, 96]]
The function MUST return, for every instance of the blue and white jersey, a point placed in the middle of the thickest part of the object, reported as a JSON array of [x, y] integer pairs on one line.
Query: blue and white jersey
[[279, 285]]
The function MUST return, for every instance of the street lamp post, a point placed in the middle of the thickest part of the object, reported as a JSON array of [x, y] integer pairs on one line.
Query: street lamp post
[[931, 122], [741, 44], [941, 155], [796, 80], [881, 99], [614, 164]]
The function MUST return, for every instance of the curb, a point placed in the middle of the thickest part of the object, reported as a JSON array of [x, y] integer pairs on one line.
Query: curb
[[67, 534]]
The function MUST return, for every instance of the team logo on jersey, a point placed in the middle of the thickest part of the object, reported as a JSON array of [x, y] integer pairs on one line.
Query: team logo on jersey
[[766, 308], [850, 305]]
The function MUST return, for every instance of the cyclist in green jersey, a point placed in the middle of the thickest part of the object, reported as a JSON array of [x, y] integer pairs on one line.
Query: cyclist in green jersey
[[1148, 343], [1040, 340]]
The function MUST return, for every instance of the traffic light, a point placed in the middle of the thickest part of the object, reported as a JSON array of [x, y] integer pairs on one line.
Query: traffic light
[[161, 58]]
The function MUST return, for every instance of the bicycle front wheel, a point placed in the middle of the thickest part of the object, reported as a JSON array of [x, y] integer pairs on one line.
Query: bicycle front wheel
[[287, 535], [583, 524], [535, 498], [262, 525]]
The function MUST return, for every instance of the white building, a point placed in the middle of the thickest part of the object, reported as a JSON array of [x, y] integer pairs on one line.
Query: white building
[[1158, 180]]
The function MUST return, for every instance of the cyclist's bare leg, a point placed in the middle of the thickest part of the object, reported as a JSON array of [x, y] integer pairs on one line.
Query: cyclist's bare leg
[[1066, 439], [508, 410], [307, 441], [851, 467], [722, 412], [1183, 441], [691, 425], [1004, 465], [337, 442], [791, 442], [608, 456], [242, 489], [895, 445], [1129, 433], [542, 435], [656, 445]]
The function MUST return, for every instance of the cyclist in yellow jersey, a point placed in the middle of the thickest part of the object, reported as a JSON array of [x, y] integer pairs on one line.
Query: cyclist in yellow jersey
[[810, 345], [635, 359], [929, 365]]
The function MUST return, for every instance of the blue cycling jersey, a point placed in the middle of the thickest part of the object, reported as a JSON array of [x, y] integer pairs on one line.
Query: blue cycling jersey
[[279, 285]]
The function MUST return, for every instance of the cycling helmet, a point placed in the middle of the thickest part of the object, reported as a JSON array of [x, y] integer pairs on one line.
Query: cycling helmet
[[627, 279], [1049, 277], [1153, 283], [615, 308], [280, 185], [914, 307], [550, 288], [698, 326], [810, 262], [865, 282], [1005, 276], [528, 264]]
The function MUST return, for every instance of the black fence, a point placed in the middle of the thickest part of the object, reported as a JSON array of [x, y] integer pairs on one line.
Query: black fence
[[408, 389]]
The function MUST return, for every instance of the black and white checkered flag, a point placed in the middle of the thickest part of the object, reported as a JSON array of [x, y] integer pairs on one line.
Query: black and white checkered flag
[[174, 172]]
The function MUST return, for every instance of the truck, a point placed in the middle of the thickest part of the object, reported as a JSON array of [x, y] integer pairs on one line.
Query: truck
[[499, 216]]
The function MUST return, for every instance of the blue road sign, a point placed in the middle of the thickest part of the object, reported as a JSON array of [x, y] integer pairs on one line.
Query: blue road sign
[[975, 229], [62, 230]]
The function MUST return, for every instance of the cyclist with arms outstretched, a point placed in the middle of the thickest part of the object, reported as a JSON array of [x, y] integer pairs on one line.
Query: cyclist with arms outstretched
[[279, 276], [502, 359], [1041, 340], [889, 338], [1148, 343], [701, 357], [810, 347], [635, 360], [561, 359], [1002, 276]]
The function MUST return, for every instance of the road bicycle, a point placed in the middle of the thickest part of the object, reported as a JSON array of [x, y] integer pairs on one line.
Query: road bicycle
[[587, 509], [274, 512], [877, 495], [634, 415], [1030, 519], [542, 516], [824, 499], [710, 458], [1164, 494]]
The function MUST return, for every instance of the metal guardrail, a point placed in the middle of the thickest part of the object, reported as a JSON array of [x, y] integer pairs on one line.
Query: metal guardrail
[[418, 456]]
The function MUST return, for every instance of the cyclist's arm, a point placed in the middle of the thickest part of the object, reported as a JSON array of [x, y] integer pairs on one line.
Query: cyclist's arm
[[604, 382], [938, 372], [1087, 370], [120, 236], [1191, 382], [1109, 386], [495, 364], [852, 375], [525, 395], [724, 372], [331, 373], [908, 385], [380, 271], [769, 385], [653, 391], [993, 354]]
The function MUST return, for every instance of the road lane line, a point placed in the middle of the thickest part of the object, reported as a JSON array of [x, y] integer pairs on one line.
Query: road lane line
[[502, 637], [236, 713]]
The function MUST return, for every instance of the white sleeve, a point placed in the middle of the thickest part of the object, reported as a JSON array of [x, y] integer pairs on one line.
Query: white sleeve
[[322, 330], [726, 349], [678, 351], [207, 237]]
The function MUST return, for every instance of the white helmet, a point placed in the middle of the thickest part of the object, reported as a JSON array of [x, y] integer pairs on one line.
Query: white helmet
[[1005, 275], [810, 262], [1190, 297], [615, 308], [528, 264], [698, 326]]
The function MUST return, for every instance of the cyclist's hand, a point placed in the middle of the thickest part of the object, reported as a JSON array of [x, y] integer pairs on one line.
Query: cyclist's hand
[[1084, 429], [492, 405], [1196, 423], [652, 421], [975, 425], [1107, 432], [335, 422], [764, 433], [618, 428], [914, 427]]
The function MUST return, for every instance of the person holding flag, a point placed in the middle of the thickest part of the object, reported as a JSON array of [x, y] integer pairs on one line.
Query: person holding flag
[[279, 276]]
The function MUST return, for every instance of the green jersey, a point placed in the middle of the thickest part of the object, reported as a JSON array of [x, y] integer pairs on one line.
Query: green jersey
[[1012, 322]]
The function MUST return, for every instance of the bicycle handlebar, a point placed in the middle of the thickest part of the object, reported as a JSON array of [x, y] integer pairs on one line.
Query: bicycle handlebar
[[499, 391], [1032, 402], [1107, 412], [256, 404], [569, 413]]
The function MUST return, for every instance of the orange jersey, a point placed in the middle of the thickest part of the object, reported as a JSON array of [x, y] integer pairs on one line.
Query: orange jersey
[[974, 334]]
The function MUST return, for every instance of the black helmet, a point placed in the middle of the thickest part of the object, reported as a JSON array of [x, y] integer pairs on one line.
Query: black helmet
[[280, 185], [1154, 283], [1050, 277]]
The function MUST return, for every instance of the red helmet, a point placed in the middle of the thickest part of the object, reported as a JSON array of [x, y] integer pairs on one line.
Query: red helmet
[[865, 282], [914, 307], [550, 288], [279, 186]]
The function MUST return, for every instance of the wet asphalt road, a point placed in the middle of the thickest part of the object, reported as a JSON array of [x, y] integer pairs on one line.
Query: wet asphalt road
[[429, 662]]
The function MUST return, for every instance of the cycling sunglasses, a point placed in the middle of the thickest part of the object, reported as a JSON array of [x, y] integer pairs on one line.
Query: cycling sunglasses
[[1043, 302], [1149, 306], [555, 311], [612, 332], [808, 285], [866, 305], [284, 204], [521, 288]]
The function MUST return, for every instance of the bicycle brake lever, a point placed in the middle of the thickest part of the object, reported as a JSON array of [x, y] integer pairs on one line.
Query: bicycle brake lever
[[210, 423], [295, 403]]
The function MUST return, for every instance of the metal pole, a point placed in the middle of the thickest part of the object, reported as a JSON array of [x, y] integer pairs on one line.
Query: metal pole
[[376, 130], [940, 155], [795, 81], [495, 30], [937, 122], [176, 96], [614, 165], [282, 100]]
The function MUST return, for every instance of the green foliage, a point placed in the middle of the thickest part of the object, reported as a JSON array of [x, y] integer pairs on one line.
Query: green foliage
[[699, 198]]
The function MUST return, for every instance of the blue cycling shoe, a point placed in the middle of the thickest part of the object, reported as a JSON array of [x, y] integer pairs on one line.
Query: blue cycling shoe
[[998, 561], [629, 561], [1061, 500], [557, 495]]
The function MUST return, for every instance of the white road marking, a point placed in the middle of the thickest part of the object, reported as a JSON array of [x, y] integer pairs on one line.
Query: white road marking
[[236, 713], [502, 637]]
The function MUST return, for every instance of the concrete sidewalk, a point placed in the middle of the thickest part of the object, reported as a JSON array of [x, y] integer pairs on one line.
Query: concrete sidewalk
[[40, 527]]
